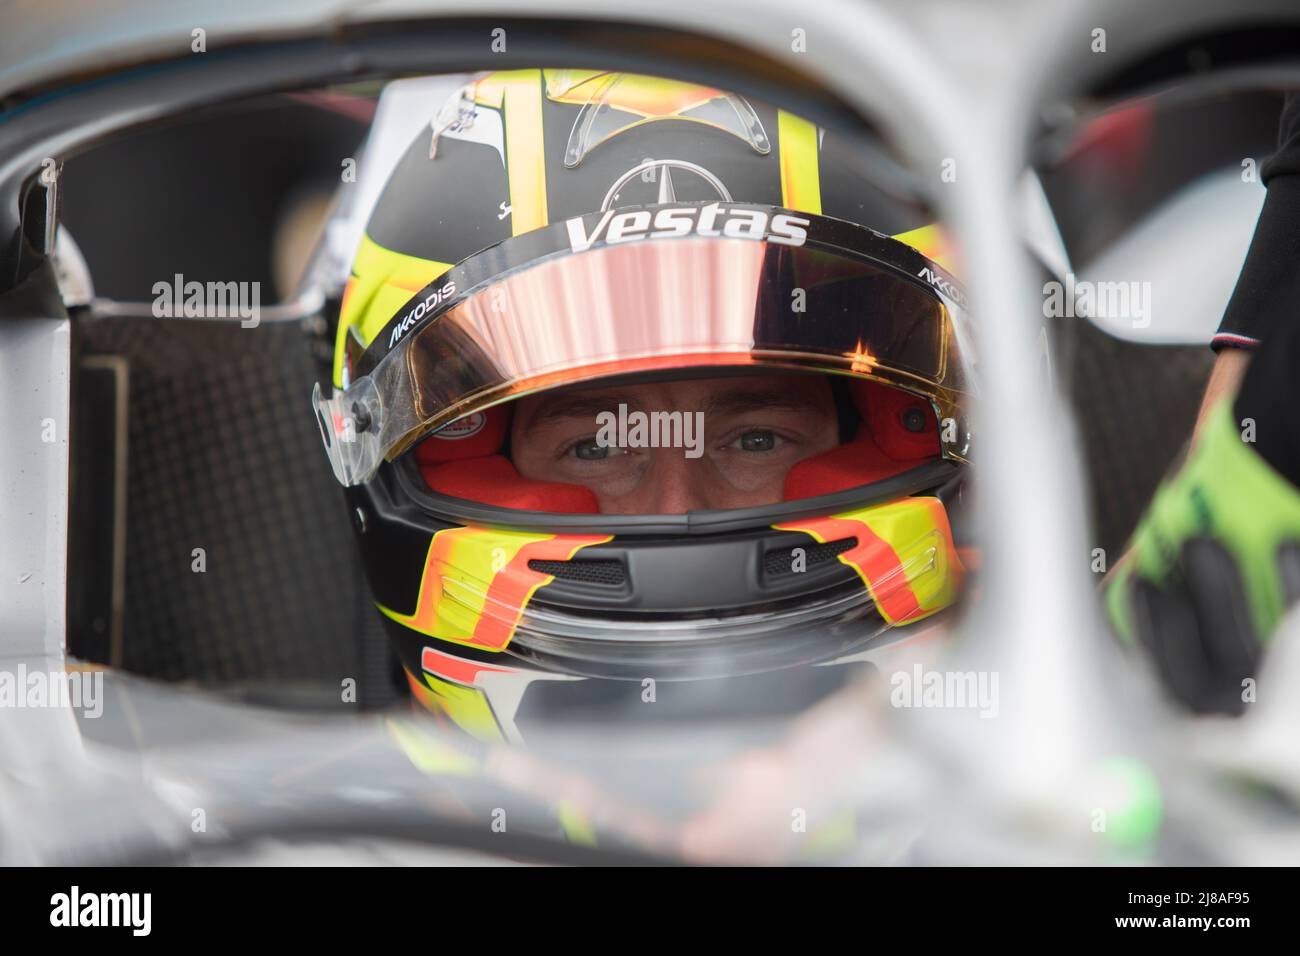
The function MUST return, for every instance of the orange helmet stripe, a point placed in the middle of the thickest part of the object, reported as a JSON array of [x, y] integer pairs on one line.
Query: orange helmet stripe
[[512, 587], [476, 583], [459, 669], [874, 560], [904, 555]]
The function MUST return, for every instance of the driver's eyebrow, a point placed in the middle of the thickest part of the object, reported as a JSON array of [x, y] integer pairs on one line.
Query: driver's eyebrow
[[739, 398], [577, 406], [749, 398]]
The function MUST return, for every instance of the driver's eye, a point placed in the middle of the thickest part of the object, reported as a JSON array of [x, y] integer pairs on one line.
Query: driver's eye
[[757, 440], [589, 450]]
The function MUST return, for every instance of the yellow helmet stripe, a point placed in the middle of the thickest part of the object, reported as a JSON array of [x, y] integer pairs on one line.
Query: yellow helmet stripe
[[383, 281], [576, 824], [457, 574], [520, 94], [932, 242], [431, 755], [478, 556], [468, 707], [801, 186], [904, 554], [919, 531], [476, 583]]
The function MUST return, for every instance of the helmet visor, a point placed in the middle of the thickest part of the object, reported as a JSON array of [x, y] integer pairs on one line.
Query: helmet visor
[[643, 290]]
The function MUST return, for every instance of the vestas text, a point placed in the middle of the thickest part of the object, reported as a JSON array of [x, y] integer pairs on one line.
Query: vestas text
[[673, 221]]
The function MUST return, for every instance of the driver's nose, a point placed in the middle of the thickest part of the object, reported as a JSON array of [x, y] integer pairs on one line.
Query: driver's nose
[[677, 484]]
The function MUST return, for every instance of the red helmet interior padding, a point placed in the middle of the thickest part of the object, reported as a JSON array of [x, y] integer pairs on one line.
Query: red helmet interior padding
[[473, 436], [883, 410], [464, 461], [883, 446], [493, 480]]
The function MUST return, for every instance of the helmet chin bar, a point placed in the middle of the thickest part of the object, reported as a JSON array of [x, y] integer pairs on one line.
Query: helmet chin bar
[[700, 649], [763, 615], [875, 561]]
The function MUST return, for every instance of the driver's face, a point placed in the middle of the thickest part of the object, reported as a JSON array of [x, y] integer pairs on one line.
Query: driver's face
[[754, 429]]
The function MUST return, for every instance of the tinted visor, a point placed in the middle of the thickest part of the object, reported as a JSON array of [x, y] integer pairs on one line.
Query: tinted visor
[[644, 290]]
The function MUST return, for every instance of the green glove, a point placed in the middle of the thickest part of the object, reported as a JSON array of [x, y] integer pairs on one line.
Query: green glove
[[1213, 565]]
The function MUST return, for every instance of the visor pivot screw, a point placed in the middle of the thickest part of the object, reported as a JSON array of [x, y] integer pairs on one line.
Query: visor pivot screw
[[360, 417], [359, 520], [914, 420]]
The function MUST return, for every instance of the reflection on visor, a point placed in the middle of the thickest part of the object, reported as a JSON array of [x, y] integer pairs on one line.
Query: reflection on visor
[[647, 290], [612, 102]]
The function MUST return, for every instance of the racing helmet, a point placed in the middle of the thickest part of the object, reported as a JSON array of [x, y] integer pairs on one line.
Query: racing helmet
[[550, 229]]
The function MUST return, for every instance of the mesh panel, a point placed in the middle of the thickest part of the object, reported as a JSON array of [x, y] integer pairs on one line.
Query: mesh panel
[[583, 572], [1135, 405], [224, 455], [781, 561], [222, 450]]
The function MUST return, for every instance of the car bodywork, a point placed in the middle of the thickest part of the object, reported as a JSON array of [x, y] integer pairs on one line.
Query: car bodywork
[[1076, 717]]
